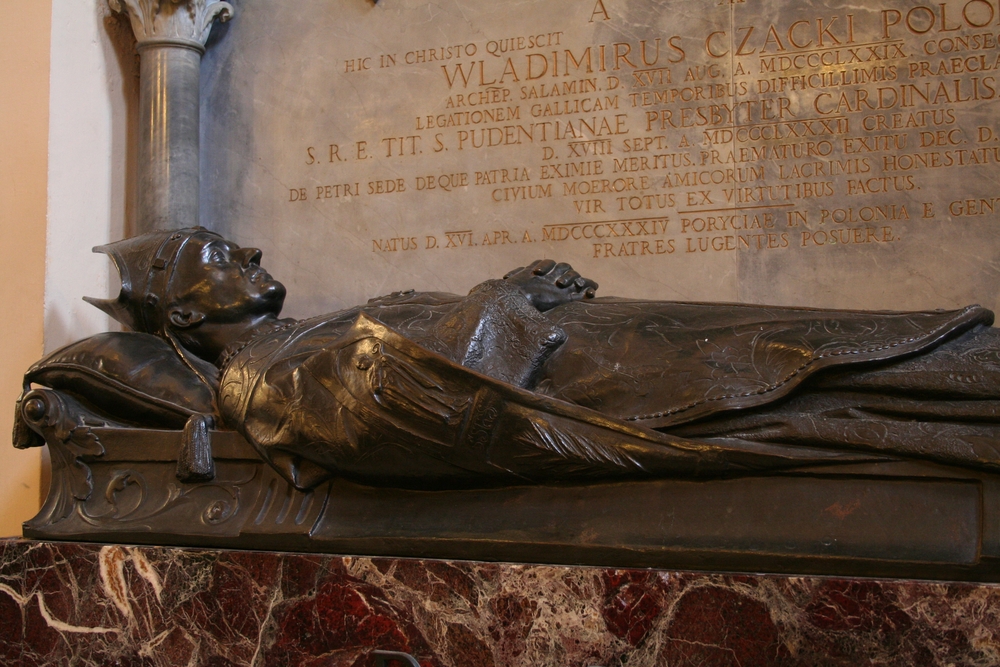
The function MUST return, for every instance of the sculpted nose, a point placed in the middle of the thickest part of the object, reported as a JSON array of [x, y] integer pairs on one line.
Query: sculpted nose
[[249, 256]]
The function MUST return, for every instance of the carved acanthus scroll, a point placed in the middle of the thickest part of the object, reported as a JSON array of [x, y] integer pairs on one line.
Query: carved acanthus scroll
[[186, 21]]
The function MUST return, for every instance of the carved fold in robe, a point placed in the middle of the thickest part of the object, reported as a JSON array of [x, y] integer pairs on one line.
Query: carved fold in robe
[[943, 405], [375, 394]]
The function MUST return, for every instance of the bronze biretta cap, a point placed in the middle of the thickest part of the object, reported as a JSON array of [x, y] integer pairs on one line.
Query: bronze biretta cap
[[145, 264]]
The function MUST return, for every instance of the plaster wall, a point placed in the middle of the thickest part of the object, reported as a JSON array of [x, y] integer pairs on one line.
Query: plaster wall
[[24, 97], [67, 72], [93, 78]]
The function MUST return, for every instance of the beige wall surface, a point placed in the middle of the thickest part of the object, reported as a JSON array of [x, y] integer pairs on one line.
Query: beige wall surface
[[24, 100]]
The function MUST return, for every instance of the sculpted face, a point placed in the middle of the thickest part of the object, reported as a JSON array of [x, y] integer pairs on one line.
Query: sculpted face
[[217, 282]]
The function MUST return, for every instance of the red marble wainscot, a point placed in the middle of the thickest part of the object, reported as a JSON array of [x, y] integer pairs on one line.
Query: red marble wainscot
[[64, 603]]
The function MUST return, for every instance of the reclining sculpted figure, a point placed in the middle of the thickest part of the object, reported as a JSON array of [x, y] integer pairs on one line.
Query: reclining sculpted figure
[[532, 379]]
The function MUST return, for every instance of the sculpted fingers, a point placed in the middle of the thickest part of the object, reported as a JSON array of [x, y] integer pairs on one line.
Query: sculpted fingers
[[513, 272], [568, 278], [542, 267], [587, 287], [548, 284], [583, 288], [560, 272]]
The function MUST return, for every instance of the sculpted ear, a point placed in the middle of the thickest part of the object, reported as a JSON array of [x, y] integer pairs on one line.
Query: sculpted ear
[[185, 319]]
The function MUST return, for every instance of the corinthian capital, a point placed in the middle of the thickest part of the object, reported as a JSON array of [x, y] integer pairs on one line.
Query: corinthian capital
[[183, 21]]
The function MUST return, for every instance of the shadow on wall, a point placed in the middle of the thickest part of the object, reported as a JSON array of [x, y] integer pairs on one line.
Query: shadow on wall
[[121, 44]]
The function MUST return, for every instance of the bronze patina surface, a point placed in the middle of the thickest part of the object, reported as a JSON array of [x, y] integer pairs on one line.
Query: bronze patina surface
[[528, 420]]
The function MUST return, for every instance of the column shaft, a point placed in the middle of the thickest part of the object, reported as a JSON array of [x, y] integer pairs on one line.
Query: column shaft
[[168, 165]]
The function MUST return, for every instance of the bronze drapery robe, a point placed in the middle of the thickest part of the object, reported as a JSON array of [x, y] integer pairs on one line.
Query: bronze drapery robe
[[637, 389]]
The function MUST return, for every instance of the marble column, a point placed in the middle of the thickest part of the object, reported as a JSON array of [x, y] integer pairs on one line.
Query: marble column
[[171, 36]]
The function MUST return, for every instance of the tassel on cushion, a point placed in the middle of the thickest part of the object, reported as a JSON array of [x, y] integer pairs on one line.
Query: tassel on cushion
[[194, 463]]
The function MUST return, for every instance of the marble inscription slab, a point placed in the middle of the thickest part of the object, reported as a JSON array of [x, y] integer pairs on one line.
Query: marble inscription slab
[[114, 605], [814, 152]]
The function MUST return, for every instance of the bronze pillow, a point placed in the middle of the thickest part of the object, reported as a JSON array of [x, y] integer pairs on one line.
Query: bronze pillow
[[131, 377]]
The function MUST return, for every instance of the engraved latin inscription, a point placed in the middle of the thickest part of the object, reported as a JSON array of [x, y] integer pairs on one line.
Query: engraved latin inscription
[[620, 130], [762, 137]]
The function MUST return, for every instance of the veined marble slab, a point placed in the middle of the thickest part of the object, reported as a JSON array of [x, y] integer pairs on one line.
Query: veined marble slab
[[101, 605]]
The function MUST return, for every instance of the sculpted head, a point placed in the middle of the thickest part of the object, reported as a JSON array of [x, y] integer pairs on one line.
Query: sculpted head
[[192, 284], [216, 281]]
